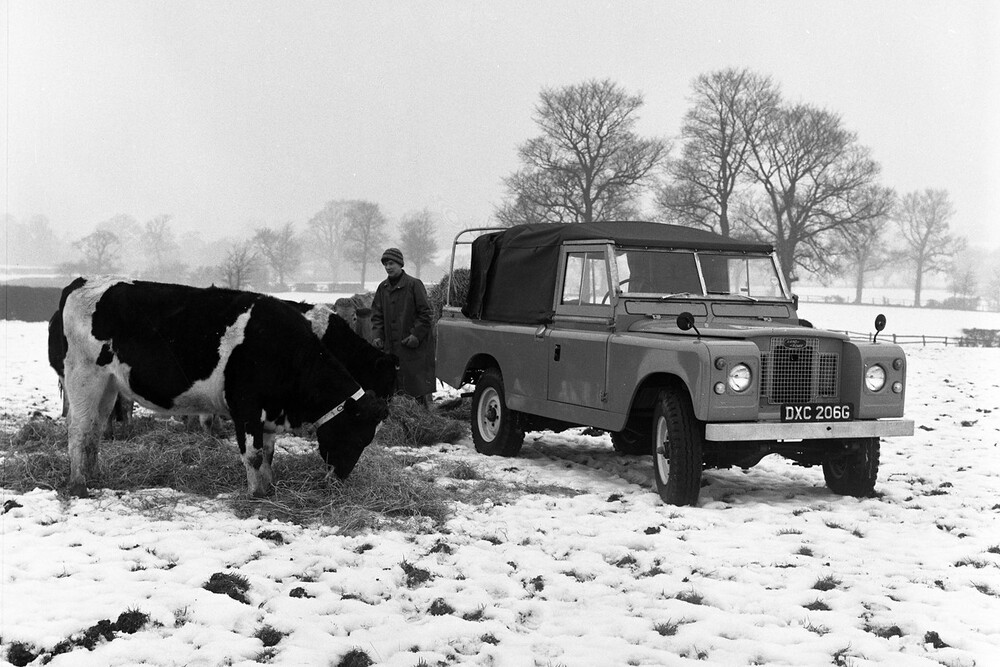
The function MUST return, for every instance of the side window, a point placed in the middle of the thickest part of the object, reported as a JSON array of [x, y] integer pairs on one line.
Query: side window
[[586, 279]]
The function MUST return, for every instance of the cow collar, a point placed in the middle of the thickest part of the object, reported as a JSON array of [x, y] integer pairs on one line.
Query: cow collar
[[338, 408]]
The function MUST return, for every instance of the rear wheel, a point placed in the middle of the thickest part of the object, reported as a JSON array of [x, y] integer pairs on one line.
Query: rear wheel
[[678, 439], [853, 472], [496, 429]]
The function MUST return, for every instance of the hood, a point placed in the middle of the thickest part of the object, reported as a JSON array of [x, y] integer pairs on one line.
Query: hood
[[730, 330]]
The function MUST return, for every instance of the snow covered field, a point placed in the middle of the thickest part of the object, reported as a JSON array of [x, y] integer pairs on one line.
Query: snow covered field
[[769, 569]]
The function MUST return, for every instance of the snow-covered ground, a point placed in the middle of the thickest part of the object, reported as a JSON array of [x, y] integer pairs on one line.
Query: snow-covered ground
[[769, 569]]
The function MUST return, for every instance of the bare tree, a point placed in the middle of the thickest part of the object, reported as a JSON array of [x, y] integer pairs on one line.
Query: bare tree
[[31, 243], [992, 283], [728, 109], [326, 230], [364, 234], [281, 250], [417, 239], [241, 265], [100, 254], [588, 164], [923, 219], [161, 248], [815, 178], [864, 248], [128, 231]]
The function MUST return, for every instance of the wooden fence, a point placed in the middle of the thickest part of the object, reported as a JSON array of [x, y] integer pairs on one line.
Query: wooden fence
[[969, 338]]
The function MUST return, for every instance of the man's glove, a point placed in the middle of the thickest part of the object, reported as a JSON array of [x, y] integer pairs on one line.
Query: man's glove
[[377, 342], [411, 342]]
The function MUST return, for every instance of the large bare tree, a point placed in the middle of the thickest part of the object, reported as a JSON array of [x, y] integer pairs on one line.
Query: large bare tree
[[128, 231], [924, 222], [281, 250], [364, 234], [326, 231], [588, 163], [161, 248], [727, 110], [417, 239], [864, 249], [814, 178], [100, 251], [240, 266]]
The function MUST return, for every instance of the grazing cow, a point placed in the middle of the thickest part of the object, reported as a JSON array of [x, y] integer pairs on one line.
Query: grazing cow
[[372, 368], [185, 350]]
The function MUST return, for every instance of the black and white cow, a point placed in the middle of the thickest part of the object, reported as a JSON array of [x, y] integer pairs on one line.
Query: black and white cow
[[371, 367], [185, 350]]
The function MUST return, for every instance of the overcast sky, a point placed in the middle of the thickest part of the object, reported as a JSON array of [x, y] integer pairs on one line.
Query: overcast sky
[[230, 115]]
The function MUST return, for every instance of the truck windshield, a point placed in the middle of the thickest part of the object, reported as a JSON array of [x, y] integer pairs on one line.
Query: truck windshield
[[671, 273]]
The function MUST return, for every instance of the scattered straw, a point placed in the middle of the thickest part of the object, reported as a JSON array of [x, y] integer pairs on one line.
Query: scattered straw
[[150, 454], [412, 425]]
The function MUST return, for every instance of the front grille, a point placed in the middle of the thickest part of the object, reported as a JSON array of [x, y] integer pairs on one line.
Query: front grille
[[794, 371]]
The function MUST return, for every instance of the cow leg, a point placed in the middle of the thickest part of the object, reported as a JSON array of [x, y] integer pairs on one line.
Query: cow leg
[[258, 467], [91, 397]]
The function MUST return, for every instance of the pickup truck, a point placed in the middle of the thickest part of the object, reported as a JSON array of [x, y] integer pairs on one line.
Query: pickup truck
[[681, 343]]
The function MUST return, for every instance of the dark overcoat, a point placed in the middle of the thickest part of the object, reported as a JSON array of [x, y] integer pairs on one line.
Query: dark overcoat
[[397, 312]]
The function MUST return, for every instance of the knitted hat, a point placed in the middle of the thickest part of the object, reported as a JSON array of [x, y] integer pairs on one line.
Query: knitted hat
[[395, 254]]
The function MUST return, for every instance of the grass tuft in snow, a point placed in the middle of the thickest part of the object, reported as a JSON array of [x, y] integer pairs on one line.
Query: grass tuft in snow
[[355, 658], [691, 597], [884, 631], [233, 585], [20, 654], [669, 627], [816, 629], [817, 605], [415, 575], [986, 589], [827, 583], [269, 636], [440, 608]]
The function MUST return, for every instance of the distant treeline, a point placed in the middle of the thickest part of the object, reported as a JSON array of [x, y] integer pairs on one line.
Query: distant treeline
[[28, 304]]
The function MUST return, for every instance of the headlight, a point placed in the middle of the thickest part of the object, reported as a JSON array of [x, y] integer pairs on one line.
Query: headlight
[[875, 378], [740, 377]]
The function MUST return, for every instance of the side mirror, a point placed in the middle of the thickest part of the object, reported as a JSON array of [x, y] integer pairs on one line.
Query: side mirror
[[685, 321], [879, 325]]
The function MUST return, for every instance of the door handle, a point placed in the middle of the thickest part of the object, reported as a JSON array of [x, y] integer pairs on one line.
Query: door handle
[[557, 353]]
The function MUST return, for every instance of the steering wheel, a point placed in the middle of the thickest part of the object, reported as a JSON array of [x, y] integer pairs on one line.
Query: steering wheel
[[621, 283]]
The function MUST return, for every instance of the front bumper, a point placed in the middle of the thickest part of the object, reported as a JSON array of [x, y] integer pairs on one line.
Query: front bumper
[[728, 431]]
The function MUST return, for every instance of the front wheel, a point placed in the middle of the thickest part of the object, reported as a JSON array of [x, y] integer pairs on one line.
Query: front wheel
[[496, 429], [678, 439], [853, 472]]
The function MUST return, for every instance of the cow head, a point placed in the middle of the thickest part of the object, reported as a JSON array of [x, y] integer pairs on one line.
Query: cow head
[[383, 377], [344, 438]]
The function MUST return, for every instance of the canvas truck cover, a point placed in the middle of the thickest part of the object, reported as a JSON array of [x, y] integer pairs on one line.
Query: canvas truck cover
[[513, 272]]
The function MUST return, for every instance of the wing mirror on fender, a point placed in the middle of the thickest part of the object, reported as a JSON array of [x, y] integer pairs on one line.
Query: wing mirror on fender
[[685, 321], [879, 325]]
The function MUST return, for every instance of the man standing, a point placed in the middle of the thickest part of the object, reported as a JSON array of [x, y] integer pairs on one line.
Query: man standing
[[402, 324]]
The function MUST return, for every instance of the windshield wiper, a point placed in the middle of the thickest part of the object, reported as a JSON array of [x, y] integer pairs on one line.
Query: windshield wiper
[[738, 296], [678, 295]]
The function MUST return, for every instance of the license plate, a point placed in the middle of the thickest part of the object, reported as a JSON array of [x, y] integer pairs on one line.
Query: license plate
[[817, 412]]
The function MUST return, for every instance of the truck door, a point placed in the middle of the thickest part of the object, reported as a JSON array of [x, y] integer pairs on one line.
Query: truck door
[[581, 328]]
